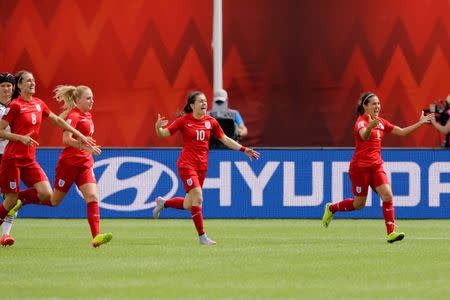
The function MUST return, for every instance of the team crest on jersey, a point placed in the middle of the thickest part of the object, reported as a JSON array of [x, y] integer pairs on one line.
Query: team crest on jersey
[[69, 121], [61, 183], [358, 189], [361, 124], [380, 126], [208, 124], [12, 185], [189, 182], [38, 107]]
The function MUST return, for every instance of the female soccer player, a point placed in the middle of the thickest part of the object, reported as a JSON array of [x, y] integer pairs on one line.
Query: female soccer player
[[6, 90], [24, 116], [196, 127], [366, 167], [75, 162]]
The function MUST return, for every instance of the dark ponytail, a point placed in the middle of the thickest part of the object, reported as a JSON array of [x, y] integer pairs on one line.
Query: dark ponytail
[[190, 100], [363, 100]]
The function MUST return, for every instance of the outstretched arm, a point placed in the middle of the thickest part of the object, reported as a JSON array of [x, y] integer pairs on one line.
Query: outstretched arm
[[407, 130], [160, 123], [232, 144], [58, 121]]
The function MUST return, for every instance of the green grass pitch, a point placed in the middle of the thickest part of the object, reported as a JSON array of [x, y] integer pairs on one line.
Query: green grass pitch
[[254, 259]]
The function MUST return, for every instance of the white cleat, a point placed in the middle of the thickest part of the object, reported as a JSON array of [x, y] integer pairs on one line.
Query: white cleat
[[204, 240], [159, 207]]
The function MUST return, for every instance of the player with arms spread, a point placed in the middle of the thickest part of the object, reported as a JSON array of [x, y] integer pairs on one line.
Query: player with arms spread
[[196, 127], [366, 167]]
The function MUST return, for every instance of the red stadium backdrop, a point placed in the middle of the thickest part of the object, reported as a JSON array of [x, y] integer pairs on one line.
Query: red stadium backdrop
[[294, 69]]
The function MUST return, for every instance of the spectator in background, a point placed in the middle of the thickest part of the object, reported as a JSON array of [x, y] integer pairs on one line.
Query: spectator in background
[[229, 119], [444, 129]]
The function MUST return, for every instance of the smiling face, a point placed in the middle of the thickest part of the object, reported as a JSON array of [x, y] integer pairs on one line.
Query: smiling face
[[86, 100], [26, 84], [200, 106], [373, 106]]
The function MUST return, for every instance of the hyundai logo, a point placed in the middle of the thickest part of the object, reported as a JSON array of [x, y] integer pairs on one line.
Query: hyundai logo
[[133, 174]]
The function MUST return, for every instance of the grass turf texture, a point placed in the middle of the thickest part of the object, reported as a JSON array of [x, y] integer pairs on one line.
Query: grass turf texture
[[254, 259]]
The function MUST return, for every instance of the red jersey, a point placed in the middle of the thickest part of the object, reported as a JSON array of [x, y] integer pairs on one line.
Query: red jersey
[[368, 153], [24, 117], [83, 123], [196, 135]]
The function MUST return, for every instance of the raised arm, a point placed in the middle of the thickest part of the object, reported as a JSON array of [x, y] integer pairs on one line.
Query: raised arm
[[407, 130], [160, 123]]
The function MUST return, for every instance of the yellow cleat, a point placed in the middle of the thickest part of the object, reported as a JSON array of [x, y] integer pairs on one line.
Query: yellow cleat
[[16, 208], [395, 236], [327, 216], [101, 238]]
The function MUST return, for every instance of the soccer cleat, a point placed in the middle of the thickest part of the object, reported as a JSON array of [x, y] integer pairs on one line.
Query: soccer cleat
[[204, 240], [159, 207], [327, 216], [395, 236], [101, 238], [16, 208], [6, 240]]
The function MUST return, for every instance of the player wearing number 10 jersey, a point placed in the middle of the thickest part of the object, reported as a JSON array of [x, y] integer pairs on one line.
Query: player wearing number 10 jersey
[[196, 128]]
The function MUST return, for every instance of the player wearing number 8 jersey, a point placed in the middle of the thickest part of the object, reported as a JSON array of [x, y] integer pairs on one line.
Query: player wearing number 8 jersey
[[24, 116], [366, 167], [196, 128]]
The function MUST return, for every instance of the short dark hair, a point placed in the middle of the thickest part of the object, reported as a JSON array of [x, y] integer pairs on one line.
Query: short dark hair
[[7, 77]]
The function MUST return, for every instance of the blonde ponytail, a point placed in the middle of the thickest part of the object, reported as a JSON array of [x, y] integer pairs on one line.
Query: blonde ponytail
[[68, 94]]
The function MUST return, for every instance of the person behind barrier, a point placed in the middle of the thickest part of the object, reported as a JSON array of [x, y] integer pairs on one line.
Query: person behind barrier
[[196, 128], [442, 123], [229, 119], [366, 167]]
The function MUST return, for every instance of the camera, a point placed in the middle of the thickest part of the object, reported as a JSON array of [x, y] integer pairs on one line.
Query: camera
[[441, 111]]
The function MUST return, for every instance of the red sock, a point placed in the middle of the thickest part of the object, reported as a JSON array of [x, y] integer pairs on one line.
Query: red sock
[[176, 203], [93, 216], [344, 205], [197, 217], [389, 216], [3, 213], [30, 196]]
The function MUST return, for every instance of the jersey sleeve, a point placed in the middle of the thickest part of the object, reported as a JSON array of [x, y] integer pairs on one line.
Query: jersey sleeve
[[388, 127], [176, 125], [45, 110], [11, 112], [216, 129], [239, 121], [360, 124], [72, 119]]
